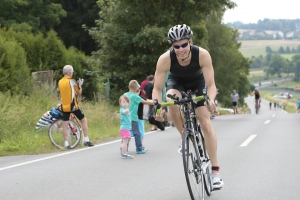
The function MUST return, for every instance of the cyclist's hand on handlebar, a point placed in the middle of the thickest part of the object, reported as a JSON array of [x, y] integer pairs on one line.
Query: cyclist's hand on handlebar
[[210, 105], [157, 111]]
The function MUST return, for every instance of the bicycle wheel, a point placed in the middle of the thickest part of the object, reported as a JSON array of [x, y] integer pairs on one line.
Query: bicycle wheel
[[191, 164], [56, 135], [206, 163]]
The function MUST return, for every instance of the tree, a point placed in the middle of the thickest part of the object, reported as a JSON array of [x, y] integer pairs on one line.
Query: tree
[[14, 73], [296, 66], [277, 64], [281, 50], [132, 34], [35, 15], [287, 49], [269, 50], [79, 13], [228, 62]]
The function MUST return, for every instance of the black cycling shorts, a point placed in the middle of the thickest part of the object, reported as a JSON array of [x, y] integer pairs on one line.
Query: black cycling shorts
[[78, 113], [187, 85], [234, 103]]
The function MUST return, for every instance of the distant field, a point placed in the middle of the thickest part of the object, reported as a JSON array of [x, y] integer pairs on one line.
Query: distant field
[[255, 48]]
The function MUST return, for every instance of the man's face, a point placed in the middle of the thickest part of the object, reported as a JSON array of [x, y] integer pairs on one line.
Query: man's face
[[182, 48], [234, 91]]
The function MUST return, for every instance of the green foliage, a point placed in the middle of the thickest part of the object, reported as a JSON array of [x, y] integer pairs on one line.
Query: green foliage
[[37, 15], [14, 72], [277, 64], [79, 12], [42, 53], [296, 66], [231, 68], [132, 35], [19, 115]]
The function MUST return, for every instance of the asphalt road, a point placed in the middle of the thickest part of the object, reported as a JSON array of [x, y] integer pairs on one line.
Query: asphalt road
[[258, 156]]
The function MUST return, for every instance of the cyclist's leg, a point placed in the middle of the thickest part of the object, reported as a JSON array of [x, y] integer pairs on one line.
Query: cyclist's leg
[[209, 134], [65, 123], [80, 115], [174, 112], [210, 144]]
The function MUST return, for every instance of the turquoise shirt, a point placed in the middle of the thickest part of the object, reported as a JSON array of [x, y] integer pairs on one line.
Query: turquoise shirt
[[135, 100], [125, 120]]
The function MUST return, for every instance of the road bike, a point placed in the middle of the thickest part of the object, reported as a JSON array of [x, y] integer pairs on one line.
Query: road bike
[[257, 105], [74, 132], [196, 162]]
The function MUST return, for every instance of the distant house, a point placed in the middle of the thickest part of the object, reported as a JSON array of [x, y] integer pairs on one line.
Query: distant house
[[280, 34], [289, 35], [275, 34]]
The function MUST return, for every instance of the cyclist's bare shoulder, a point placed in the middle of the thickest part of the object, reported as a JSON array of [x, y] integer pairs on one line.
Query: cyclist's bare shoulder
[[164, 62]]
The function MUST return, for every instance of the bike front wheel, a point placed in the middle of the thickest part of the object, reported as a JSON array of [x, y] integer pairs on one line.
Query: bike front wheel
[[206, 163], [56, 135], [192, 166]]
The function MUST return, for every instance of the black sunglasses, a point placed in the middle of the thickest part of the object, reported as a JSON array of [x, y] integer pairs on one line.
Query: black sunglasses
[[183, 45]]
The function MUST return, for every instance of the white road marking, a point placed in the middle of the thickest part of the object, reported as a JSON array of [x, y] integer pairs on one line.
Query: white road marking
[[63, 154], [248, 141], [273, 115], [266, 122]]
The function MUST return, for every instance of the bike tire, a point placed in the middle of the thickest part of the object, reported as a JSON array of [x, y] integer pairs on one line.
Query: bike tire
[[56, 135], [206, 163], [191, 163]]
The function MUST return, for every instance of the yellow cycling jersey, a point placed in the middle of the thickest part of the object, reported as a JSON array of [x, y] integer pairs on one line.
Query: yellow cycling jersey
[[68, 89]]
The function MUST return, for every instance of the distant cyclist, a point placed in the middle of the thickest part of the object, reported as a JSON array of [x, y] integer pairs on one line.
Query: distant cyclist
[[257, 98], [298, 106]]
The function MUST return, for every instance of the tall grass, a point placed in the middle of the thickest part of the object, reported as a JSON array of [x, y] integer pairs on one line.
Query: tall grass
[[19, 115]]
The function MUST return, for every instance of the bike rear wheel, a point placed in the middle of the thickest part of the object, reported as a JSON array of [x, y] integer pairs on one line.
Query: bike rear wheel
[[192, 164], [56, 135]]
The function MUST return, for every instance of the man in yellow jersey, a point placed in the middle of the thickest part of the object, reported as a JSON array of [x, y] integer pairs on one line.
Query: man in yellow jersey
[[69, 89]]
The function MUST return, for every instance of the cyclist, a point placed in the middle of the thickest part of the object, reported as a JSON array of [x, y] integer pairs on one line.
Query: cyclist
[[69, 90], [189, 65], [257, 98], [49, 117]]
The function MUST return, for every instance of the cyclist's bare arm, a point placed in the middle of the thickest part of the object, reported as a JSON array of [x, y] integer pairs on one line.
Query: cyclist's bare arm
[[208, 73], [162, 66]]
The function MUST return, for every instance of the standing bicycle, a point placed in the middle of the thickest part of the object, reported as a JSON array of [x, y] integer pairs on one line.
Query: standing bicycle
[[257, 98], [190, 68], [74, 132]]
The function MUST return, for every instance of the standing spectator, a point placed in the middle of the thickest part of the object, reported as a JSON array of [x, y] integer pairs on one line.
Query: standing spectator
[[148, 90], [284, 105], [274, 105], [280, 104], [234, 98], [135, 100], [270, 104], [298, 105], [125, 125], [143, 95], [69, 89], [141, 121]]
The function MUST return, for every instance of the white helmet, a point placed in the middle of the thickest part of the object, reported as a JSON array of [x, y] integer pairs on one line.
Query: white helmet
[[179, 32]]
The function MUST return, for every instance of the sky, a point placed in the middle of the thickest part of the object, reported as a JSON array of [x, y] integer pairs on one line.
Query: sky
[[250, 11]]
